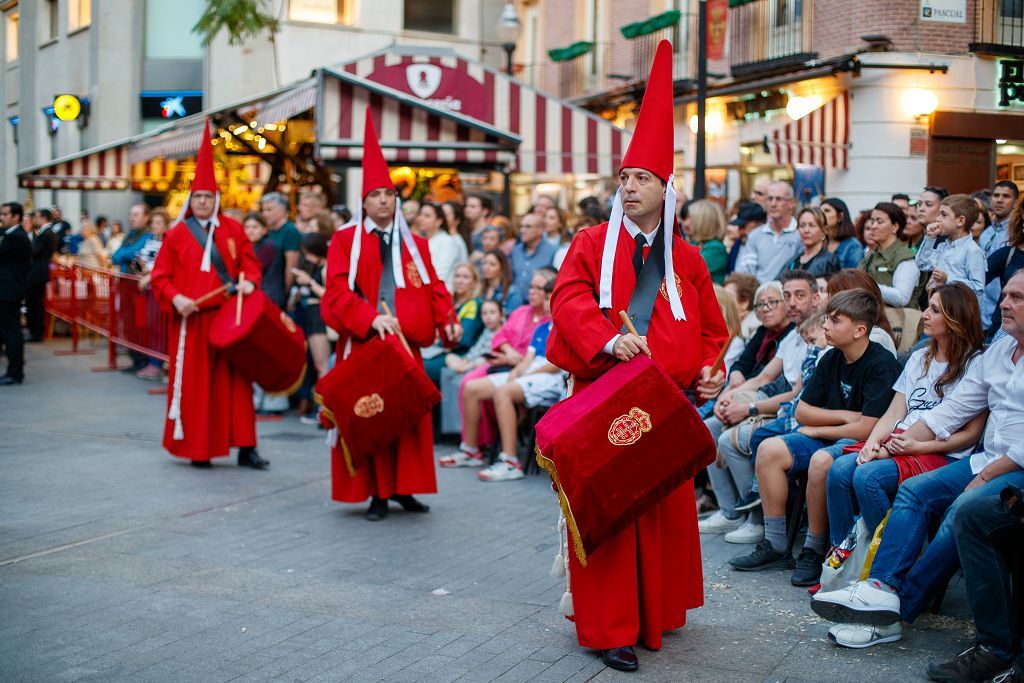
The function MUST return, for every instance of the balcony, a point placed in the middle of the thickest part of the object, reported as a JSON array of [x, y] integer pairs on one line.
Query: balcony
[[581, 69], [675, 26], [999, 27], [768, 36]]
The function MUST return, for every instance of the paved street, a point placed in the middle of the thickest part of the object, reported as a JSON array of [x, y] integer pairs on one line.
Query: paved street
[[118, 562]]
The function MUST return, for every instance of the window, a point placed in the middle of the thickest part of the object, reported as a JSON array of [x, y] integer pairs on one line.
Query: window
[[318, 11], [51, 21], [435, 16], [11, 26], [79, 14]]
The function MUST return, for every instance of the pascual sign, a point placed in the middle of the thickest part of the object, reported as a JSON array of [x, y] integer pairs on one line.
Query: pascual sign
[[946, 11]]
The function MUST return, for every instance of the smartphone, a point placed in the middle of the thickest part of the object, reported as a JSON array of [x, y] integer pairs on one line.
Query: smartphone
[[488, 355]]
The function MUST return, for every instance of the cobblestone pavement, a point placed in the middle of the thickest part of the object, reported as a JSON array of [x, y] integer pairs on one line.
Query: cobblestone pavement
[[118, 562]]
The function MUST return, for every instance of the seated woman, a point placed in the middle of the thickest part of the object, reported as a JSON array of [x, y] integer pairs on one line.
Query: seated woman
[[890, 263], [816, 258], [496, 272], [507, 350], [466, 288], [867, 481]]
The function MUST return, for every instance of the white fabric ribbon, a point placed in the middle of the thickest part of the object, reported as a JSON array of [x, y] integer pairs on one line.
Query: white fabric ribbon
[[174, 411]]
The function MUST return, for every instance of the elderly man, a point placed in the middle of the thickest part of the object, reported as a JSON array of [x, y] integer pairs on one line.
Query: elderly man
[[283, 233], [777, 242], [531, 252]]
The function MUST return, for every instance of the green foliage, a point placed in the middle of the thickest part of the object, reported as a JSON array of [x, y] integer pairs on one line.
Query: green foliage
[[242, 19]]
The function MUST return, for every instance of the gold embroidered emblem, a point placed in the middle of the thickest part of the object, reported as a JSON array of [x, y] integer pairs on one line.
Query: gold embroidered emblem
[[627, 429], [288, 322], [368, 406], [231, 249], [679, 287], [412, 274]]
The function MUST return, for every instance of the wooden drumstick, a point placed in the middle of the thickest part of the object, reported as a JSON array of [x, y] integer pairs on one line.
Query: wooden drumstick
[[717, 365], [401, 337], [209, 295], [238, 305], [629, 326]]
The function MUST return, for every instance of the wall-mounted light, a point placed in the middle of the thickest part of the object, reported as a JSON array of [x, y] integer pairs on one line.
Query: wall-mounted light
[[920, 102], [799, 107], [712, 123]]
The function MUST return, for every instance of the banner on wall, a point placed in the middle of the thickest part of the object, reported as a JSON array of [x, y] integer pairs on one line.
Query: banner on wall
[[718, 16]]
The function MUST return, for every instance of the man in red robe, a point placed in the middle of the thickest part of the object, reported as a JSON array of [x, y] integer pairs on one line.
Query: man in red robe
[[641, 581], [209, 406], [420, 308]]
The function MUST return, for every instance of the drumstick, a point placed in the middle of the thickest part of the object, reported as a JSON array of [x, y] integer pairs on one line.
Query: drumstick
[[209, 295], [401, 337], [629, 326], [238, 307], [717, 365]]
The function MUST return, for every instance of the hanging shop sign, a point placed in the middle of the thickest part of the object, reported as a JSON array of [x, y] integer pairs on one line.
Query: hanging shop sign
[[1011, 82], [170, 104], [944, 11], [440, 86]]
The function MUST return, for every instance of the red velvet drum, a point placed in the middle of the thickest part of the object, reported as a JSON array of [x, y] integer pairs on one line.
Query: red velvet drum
[[618, 447], [375, 396], [267, 348]]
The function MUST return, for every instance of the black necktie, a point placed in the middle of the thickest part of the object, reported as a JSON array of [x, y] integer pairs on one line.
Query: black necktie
[[387, 276], [638, 253]]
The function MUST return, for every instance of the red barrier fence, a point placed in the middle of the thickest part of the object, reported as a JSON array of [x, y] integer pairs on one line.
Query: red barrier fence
[[113, 305]]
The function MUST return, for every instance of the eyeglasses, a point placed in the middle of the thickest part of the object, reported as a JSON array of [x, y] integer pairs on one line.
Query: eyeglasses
[[772, 199], [769, 304]]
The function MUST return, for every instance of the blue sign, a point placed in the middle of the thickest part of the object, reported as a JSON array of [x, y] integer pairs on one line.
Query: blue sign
[[170, 104]]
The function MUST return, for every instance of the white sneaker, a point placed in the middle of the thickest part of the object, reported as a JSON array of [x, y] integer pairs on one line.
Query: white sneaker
[[500, 471], [461, 458], [749, 532], [718, 523], [861, 603], [859, 636]]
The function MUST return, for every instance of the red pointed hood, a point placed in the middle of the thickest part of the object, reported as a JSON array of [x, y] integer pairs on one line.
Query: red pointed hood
[[205, 178], [652, 146], [375, 169]]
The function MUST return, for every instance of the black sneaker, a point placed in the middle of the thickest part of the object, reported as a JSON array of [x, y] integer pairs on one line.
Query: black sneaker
[[751, 501], [808, 568], [1014, 675], [763, 557], [975, 664]]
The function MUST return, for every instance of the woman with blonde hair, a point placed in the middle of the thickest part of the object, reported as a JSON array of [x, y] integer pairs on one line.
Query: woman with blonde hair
[[707, 228], [816, 259], [731, 313], [466, 287]]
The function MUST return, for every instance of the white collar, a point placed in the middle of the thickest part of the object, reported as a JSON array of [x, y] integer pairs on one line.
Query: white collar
[[767, 227], [633, 229], [10, 230], [369, 226]]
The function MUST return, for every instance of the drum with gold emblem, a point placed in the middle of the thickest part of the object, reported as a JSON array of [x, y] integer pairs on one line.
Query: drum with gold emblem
[[618, 447], [376, 394], [262, 344]]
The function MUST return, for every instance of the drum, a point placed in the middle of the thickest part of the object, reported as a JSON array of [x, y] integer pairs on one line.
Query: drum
[[373, 397], [267, 348], [618, 447]]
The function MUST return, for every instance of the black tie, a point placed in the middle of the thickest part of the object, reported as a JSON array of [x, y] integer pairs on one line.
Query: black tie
[[387, 276], [638, 253]]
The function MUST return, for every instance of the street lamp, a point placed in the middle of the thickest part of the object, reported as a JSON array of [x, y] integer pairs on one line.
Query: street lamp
[[508, 32]]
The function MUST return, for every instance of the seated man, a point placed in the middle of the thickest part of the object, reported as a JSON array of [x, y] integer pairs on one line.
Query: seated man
[[849, 390], [900, 582]]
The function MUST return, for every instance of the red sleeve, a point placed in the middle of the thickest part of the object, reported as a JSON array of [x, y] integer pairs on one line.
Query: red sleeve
[[341, 308], [581, 329], [161, 277]]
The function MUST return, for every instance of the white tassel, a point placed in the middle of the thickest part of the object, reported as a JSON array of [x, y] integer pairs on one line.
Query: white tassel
[[561, 566], [174, 412], [332, 437], [565, 607], [558, 568]]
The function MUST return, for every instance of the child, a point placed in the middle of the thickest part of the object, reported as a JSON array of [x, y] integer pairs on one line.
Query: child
[[850, 389], [959, 258], [493, 318]]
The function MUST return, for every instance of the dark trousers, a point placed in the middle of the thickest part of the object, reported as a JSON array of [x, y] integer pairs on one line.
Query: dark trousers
[[14, 343], [35, 315], [990, 542]]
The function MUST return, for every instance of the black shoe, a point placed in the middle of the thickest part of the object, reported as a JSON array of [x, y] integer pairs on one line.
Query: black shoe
[[620, 659], [202, 464], [378, 509], [7, 380], [975, 664], [133, 368], [751, 501], [763, 557], [808, 568], [410, 504], [250, 457]]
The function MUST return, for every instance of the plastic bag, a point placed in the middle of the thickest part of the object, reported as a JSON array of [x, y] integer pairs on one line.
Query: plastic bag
[[842, 565]]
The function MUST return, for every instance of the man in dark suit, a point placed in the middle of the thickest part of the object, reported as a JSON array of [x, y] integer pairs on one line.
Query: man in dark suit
[[15, 262], [45, 242]]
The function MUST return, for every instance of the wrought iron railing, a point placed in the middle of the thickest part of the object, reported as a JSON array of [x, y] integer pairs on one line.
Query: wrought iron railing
[[999, 27], [768, 34]]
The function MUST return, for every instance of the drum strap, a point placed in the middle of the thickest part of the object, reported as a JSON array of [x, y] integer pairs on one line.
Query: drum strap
[[218, 263], [641, 302]]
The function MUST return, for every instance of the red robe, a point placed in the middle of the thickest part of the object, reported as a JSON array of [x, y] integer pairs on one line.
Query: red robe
[[641, 581], [216, 402], [406, 466]]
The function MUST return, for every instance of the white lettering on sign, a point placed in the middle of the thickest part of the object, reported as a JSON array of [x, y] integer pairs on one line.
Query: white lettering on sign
[[945, 11]]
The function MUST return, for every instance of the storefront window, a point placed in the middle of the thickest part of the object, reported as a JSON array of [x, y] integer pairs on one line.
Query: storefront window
[[319, 11], [79, 14], [11, 29], [435, 16]]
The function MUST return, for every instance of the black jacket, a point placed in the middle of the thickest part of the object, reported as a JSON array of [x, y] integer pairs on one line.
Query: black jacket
[[15, 261], [44, 244]]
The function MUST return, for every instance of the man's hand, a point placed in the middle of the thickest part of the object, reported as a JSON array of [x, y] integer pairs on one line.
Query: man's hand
[[246, 287], [735, 412], [453, 331], [977, 481], [184, 305], [629, 345], [386, 324], [710, 385]]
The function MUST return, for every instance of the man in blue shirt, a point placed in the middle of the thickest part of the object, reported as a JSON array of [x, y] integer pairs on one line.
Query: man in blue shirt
[[531, 252], [777, 242], [1004, 197], [138, 219]]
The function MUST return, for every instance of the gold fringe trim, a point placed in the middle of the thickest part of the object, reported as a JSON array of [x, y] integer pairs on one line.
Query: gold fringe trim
[[574, 533], [348, 457], [294, 387], [345, 452]]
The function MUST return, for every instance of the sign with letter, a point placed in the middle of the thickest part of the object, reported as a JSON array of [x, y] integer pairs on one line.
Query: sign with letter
[[440, 86], [945, 11]]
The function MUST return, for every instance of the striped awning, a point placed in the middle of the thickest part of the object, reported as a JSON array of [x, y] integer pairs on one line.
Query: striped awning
[[438, 107], [300, 98], [821, 138], [100, 168], [177, 143]]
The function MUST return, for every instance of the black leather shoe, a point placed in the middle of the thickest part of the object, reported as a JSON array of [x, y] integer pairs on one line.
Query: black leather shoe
[[378, 509], [7, 380], [410, 504], [250, 457], [202, 464], [620, 659]]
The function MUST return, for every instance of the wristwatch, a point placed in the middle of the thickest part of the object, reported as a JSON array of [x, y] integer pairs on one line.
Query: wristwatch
[[752, 409]]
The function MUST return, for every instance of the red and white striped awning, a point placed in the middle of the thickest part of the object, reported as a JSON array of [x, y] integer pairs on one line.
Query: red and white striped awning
[[100, 168], [176, 143], [436, 107], [299, 98], [821, 138]]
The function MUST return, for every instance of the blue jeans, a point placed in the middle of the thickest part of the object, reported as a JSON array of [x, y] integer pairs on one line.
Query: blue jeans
[[867, 488], [921, 501], [802, 447], [776, 427]]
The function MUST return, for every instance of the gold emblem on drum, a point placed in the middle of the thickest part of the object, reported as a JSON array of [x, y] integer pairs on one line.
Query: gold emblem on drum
[[288, 322], [627, 429], [679, 287], [412, 274], [368, 406]]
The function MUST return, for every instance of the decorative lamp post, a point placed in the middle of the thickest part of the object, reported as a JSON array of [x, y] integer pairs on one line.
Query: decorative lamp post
[[508, 32]]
